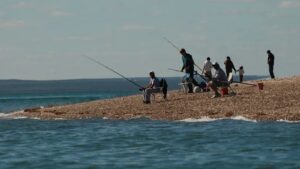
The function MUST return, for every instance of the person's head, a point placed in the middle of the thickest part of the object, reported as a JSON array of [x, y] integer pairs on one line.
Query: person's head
[[216, 65], [241, 67], [228, 58], [182, 51], [268, 51], [152, 74], [208, 58]]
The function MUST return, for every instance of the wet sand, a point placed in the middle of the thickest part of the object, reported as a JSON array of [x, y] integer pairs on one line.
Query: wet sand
[[279, 100]]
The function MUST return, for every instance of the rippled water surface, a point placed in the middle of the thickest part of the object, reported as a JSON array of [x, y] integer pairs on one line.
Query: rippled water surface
[[148, 144]]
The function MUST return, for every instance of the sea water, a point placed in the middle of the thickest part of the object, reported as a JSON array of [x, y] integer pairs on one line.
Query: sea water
[[139, 143]]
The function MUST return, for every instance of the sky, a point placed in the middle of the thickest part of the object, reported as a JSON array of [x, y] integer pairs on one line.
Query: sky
[[46, 40]]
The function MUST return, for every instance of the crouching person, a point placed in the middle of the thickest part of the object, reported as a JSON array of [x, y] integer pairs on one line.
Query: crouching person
[[219, 79], [153, 87]]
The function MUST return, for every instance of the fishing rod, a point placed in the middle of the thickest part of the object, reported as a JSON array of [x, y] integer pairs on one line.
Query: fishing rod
[[250, 84], [103, 65], [172, 44], [195, 72], [175, 70]]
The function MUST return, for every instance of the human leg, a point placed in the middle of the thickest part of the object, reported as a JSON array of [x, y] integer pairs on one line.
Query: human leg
[[213, 85], [271, 70], [241, 78], [148, 93]]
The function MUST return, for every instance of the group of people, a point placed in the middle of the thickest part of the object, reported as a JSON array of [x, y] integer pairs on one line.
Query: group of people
[[213, 81]]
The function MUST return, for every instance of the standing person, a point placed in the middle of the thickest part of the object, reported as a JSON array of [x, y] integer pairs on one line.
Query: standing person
[[153, 87], [229, 66], [219, 79], [188, 66], [271, 60], [241, 73], [207, 66]]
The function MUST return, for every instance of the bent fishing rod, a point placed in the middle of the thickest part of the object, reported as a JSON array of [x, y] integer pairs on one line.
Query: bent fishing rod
[[172, 44], [112, 70]]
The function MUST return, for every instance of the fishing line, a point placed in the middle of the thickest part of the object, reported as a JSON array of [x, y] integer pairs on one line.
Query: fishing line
[[112, 70], [172, 44]]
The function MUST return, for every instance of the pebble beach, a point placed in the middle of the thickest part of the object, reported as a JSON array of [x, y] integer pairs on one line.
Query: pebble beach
[[279, 100]]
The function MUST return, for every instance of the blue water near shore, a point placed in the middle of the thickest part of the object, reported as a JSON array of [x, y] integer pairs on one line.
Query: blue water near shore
[[140, 143], [225, 144]]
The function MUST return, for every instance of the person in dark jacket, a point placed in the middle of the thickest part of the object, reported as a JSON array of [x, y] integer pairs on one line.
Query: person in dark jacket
[[188, 66], [271, 60], [229, 66]]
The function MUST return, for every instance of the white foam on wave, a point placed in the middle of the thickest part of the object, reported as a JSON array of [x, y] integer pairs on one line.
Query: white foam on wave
[[242, 118], [202, 119], [287, 121], [208, 119], [4, 115]]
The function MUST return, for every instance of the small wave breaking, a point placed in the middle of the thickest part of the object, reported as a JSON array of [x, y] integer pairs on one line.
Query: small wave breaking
[[208, 119], [241, 118]]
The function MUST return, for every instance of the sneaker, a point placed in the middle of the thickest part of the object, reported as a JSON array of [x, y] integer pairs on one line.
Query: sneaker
[[216, 95]]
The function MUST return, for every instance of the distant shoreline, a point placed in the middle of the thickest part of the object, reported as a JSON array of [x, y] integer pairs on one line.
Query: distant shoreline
[[278, 101]]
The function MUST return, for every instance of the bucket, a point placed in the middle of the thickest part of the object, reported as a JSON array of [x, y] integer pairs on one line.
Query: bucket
[[260, 86], [224, 91]]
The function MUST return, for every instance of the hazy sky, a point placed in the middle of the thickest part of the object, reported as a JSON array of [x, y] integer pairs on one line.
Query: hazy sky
[[45, 39]]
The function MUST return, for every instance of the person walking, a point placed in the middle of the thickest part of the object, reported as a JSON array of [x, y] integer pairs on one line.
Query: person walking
[[229, 66], [188, 66], [271, 60], [207, 66]]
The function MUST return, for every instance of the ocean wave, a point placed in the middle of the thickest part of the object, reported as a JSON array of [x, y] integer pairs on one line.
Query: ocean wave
[[287, 121], [241, 118], [202, 119], [208, 119]]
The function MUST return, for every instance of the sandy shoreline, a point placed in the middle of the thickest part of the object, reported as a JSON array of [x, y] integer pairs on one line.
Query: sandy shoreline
[[278, 101]]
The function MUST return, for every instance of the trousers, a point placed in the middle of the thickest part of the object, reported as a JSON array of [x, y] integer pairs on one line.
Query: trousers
[[148, 92], [271, 70]]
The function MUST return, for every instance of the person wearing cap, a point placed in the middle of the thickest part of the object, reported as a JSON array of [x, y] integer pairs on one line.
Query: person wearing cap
[[219, 79], [229, 66], [188, 66], [153, 87], [271, 60], [207, 66]]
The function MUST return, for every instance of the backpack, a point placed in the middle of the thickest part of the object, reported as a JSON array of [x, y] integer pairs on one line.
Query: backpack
[[164, 85]]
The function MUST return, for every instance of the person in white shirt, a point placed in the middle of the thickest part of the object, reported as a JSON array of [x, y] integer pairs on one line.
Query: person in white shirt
[[153, 87], [241, 73], [207, 66]]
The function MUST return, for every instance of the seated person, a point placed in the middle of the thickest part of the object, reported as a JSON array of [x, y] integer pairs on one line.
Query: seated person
[[153, 87], [219, 79]]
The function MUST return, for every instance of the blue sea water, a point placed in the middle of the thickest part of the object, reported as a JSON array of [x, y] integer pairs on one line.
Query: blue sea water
[[140, 143]]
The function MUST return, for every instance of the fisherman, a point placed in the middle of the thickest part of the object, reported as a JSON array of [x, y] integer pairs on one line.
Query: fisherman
[[188, 66], [229, 66], [207, 66], [271, 60], [219, 79], [241, 73], [153, 87]]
